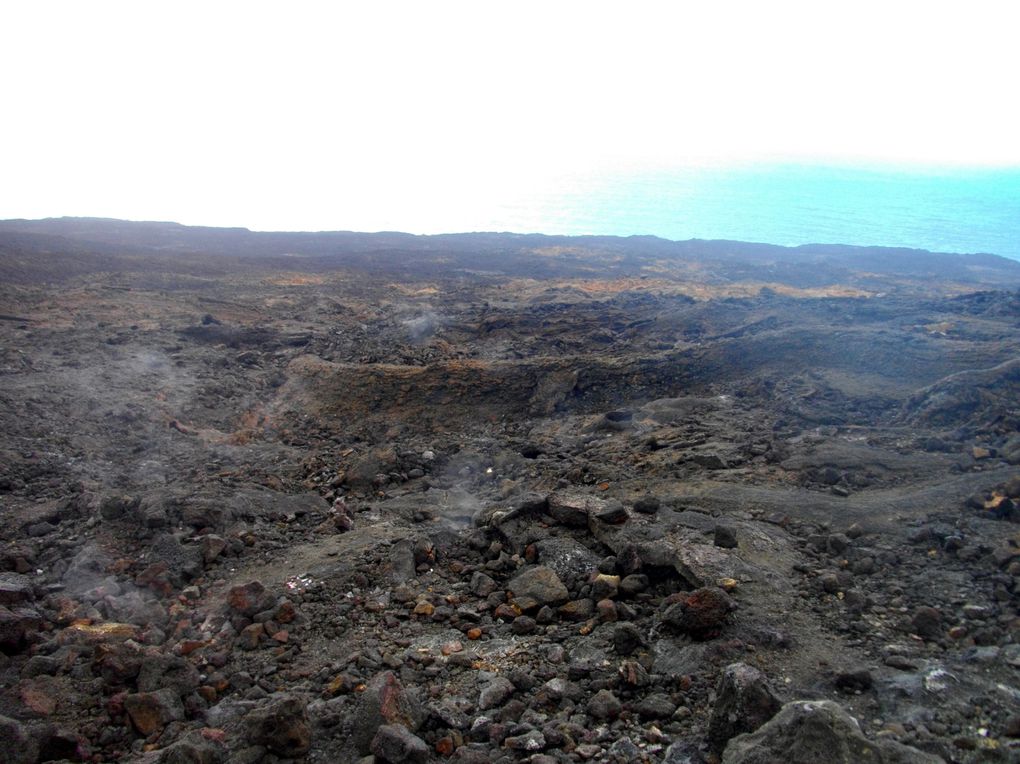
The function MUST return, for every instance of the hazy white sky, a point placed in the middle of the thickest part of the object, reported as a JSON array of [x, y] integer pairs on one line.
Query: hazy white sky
[[431, 116]]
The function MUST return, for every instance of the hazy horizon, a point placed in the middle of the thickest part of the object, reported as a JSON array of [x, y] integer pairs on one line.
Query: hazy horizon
[[566, 119]]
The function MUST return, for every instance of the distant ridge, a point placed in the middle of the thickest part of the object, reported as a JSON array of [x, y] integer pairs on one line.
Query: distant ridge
[[58, 248]]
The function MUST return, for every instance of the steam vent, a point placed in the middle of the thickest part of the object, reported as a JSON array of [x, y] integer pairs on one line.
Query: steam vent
[[475, 498]]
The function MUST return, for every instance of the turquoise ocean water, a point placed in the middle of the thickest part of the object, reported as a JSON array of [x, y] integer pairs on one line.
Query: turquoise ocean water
[[944, 210]]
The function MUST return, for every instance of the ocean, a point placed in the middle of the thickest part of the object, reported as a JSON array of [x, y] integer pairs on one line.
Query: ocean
[[943, 210]]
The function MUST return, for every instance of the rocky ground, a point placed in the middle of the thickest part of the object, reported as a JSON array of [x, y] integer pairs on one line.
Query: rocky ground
[[690, 506]]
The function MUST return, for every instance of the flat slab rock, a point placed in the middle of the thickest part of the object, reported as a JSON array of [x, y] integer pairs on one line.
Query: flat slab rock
[[539, 585], [808, 732]]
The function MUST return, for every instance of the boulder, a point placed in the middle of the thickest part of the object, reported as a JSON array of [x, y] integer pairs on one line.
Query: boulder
[[384, 701], [702, 614], [151, 711], [281, 726], [744, 701], [627, 638], [249, 599], [570, 560], [495, 693], [538, 585]]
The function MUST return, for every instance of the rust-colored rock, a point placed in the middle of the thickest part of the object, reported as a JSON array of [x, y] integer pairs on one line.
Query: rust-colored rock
[[702, 614], [249, 599], [151, 711]]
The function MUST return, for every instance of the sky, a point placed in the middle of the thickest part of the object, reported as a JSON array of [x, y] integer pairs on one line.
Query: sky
[[442, 116]]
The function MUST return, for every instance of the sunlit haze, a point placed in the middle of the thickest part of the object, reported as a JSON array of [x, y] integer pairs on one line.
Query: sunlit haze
[[430, 117]]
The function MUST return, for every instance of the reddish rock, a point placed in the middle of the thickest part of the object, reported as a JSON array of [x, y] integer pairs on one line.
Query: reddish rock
[[249, 599], [157, 578], [151, 711], [214, 734], [701, 614], [449, 648], [384, 701], [445, 746], [606, 610], [505, 612], [286, 613], [188, 646], [39, 696]]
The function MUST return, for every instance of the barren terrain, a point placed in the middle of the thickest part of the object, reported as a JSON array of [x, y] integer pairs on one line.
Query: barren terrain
[[490, 497]]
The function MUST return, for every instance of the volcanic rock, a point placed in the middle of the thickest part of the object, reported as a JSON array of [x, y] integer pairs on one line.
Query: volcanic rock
[[807, 732], [17, 743], [193, 748], [396, 743], [384, 701], [572, 509], [15, 628], [725, 537], [658, 705], [743, 702], [281, 726], [702, 614], [250, 598], [495, 693], [647, 505], [14, 589], [627, 638], [537, 586], [604, 706], [151, 711], [927, 623]]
